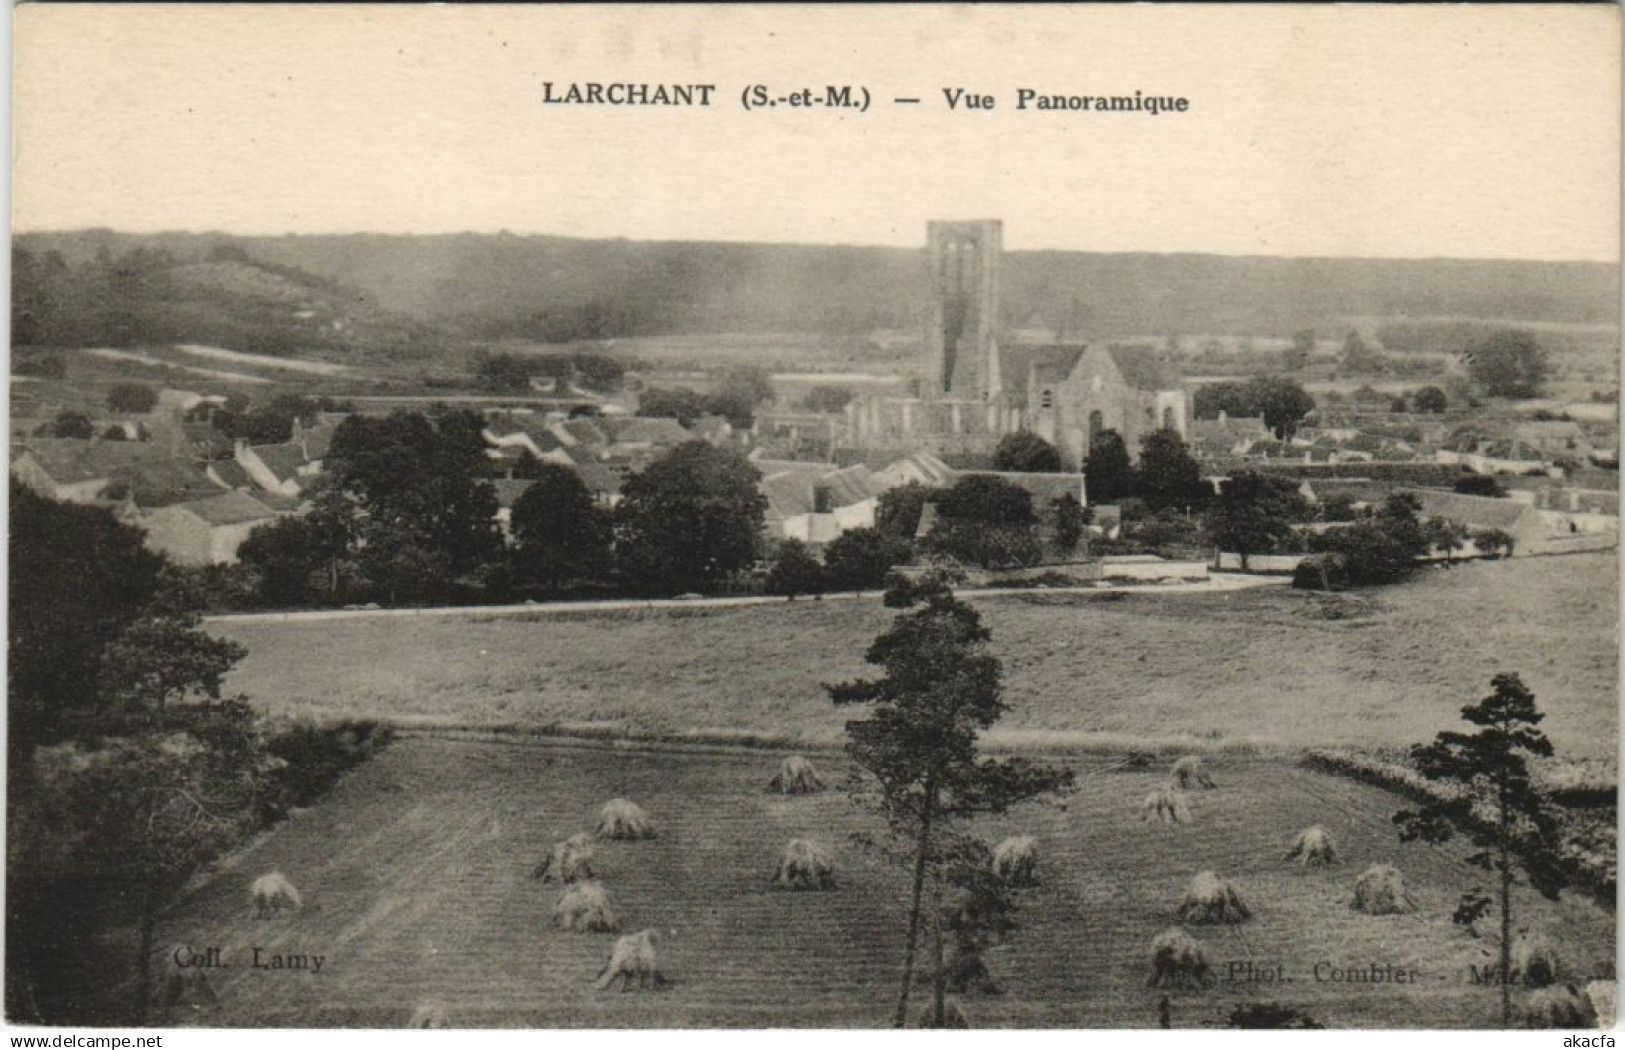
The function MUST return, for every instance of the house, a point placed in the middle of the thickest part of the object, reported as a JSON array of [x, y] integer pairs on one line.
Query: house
[[205, 531], [1528, 527], [816, 507], [1227, 435], [1557, 437], [280, 468], [79, 471], [513, 435]]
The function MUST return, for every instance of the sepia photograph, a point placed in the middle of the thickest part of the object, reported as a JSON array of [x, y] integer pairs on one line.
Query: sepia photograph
[[813, 517]]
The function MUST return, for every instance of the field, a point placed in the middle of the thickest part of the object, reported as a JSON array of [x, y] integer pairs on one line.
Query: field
[[415, 877], [1251, 669]]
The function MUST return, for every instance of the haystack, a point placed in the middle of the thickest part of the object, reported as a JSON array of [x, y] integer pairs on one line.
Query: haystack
[[633, 959], [620, 819], [796, 776], [1381, 891], [1015, 860], [272, 893], [428, 1015], [1313, 848], [1211, 900], [1560, 1006], [569, 861], [1190, 774], [1178, 960], [586, 908], [1535, 961], [1165, 805], [806, 865]]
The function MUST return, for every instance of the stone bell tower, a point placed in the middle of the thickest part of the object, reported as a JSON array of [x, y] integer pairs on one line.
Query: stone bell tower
[[959, 359]]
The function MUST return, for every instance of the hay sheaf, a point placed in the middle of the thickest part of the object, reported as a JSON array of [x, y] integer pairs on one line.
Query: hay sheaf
[[1381, 891], [1211, 900], [1165, 805], [586, 908], [1190, 774], [272, 893], [1179, 961], [1314, 847], [806, 865], [621, 819], [568, 861], [796, 776], [633, 960], [1015, 861]]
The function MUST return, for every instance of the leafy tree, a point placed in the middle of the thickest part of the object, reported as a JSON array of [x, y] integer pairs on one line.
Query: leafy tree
[[860, 558], [1358, 357], [1339, 506], [599, 372], [71, 424], [828, 399], [1381, 549], [685, 406], [1107, 471], [1444, 535], [411, 482], [897, 512], [164, 658], [795, 571], [1493, 543], [917, 751], [83, 579], [987, 498], [1492, 801], [690, 519], [986, 520], [738, 393], [502, 372], [1254, 514], [132, 397], [1282, 403], [1508, 363], [1430, 399], [295, 559], [1070, 518], [1169, 477], [1027, 453], [559, 533]]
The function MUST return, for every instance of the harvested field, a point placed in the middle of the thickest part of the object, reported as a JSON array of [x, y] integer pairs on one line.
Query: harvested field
[[1246, 667], [415, 875]]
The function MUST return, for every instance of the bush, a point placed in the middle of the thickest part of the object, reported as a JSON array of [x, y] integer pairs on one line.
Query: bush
[[316, 756]]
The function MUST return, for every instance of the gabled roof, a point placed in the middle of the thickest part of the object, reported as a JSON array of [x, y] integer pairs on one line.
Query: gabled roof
[[68, 461], [1145, 368], [789, 494], [228, 508], [231, 474], [599, 478], [585, 431], [283, 460], [164, 482], [1479, 511], [652, 430]]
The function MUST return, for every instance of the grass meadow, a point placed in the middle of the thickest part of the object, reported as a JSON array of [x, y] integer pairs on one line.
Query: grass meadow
[[415, 876], [1258, 669]]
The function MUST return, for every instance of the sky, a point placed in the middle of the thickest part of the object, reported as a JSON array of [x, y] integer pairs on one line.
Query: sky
[[1460, 131]]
